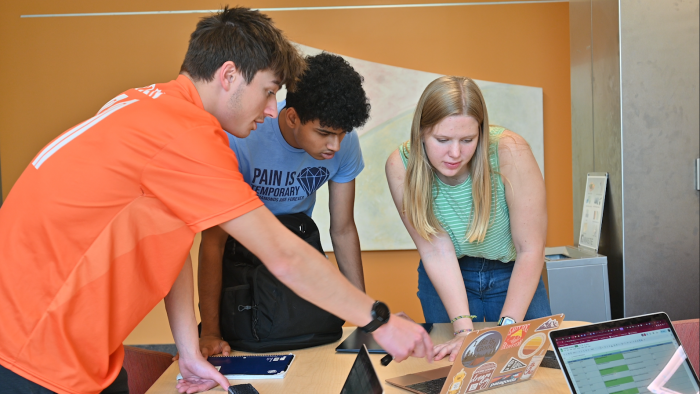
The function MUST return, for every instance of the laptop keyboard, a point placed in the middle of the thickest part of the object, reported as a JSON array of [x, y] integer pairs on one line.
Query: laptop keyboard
[[430, 387]]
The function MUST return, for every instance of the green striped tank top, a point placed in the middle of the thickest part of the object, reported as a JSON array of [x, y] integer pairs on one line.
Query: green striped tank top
[[452, 206]]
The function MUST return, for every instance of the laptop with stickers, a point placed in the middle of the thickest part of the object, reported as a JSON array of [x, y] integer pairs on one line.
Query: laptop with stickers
[[489, 358]]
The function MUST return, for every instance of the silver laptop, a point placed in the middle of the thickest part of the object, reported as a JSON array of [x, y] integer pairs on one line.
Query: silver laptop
[[639, 354]]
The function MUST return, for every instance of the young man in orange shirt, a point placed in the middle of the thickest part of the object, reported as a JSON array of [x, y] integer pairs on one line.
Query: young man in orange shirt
[[99, 226]]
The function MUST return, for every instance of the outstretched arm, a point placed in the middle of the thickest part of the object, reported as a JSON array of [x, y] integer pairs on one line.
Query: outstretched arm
[[301, 268], [346, 242], [526, 199], [211, 252], [440, 262], [198, 374]]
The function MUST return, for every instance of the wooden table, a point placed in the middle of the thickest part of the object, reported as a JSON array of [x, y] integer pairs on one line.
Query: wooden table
[[320, 370]]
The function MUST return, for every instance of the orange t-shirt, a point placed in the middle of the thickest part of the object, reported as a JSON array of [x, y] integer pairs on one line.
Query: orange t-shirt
[[97, 228]]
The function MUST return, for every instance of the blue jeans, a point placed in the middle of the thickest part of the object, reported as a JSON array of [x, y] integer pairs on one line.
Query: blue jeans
[[487, 285]]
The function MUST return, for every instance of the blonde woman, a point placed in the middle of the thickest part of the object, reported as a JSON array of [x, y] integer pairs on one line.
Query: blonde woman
[[473, 200]]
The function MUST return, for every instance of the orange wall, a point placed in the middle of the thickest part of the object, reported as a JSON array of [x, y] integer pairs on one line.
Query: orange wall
[[56, 72]]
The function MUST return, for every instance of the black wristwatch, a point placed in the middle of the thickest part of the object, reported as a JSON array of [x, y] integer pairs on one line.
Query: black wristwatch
[[505, 320], [380, 315]]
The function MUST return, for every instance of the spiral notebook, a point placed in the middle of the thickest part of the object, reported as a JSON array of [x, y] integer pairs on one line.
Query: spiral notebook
[[268, 366]]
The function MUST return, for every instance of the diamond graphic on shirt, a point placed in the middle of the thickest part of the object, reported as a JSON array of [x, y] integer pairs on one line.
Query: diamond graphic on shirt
[[311, 178]]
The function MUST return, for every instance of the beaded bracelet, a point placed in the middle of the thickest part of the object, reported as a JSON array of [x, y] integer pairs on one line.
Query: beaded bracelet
[[462, 317], [461, 331]]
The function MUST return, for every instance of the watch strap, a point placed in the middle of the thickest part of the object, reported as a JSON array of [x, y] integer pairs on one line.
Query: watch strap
[[373, 325], [506, 320], [380, 315]]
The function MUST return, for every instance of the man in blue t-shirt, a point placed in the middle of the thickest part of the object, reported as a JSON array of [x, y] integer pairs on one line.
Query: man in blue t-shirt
[[285, 160]]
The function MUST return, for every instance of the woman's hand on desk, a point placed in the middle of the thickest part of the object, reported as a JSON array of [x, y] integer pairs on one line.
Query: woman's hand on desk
[[402, 338], [199, 375], [450, 347]]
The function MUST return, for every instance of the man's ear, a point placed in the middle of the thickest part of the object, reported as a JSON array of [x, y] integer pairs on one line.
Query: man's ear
[[292, 118], [227, 75]]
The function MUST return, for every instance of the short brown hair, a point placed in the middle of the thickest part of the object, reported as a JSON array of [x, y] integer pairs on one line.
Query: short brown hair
[[246, 37]]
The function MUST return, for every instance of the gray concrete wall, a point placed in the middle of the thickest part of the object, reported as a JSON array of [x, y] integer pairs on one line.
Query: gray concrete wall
[[595, 117], [661, 140], [634, 86]]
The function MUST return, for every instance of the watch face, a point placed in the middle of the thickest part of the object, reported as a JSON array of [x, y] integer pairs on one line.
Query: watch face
[[380, 311], [505, 320]]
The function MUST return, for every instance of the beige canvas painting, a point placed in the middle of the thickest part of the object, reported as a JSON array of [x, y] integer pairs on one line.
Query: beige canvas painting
[[393, 94]]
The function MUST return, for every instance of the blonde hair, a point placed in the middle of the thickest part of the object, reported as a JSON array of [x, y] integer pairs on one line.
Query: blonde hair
[[444, 97]]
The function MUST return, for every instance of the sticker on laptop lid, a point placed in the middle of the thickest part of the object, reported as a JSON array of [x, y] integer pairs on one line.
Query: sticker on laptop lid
[[532, 345], [505, 379], [513, 364], [548, 325], [532, 366], [481, 349], [457, 381], [481, 377], [515, 336]]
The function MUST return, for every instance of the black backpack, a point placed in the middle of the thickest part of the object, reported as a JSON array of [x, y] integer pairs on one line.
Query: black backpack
[[260, 314]]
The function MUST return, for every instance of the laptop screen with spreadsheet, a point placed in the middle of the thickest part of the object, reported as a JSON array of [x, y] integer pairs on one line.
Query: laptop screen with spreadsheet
[[622, 356]]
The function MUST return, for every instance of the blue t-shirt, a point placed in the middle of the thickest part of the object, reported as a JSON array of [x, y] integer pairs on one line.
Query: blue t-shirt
[[286, 178]]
